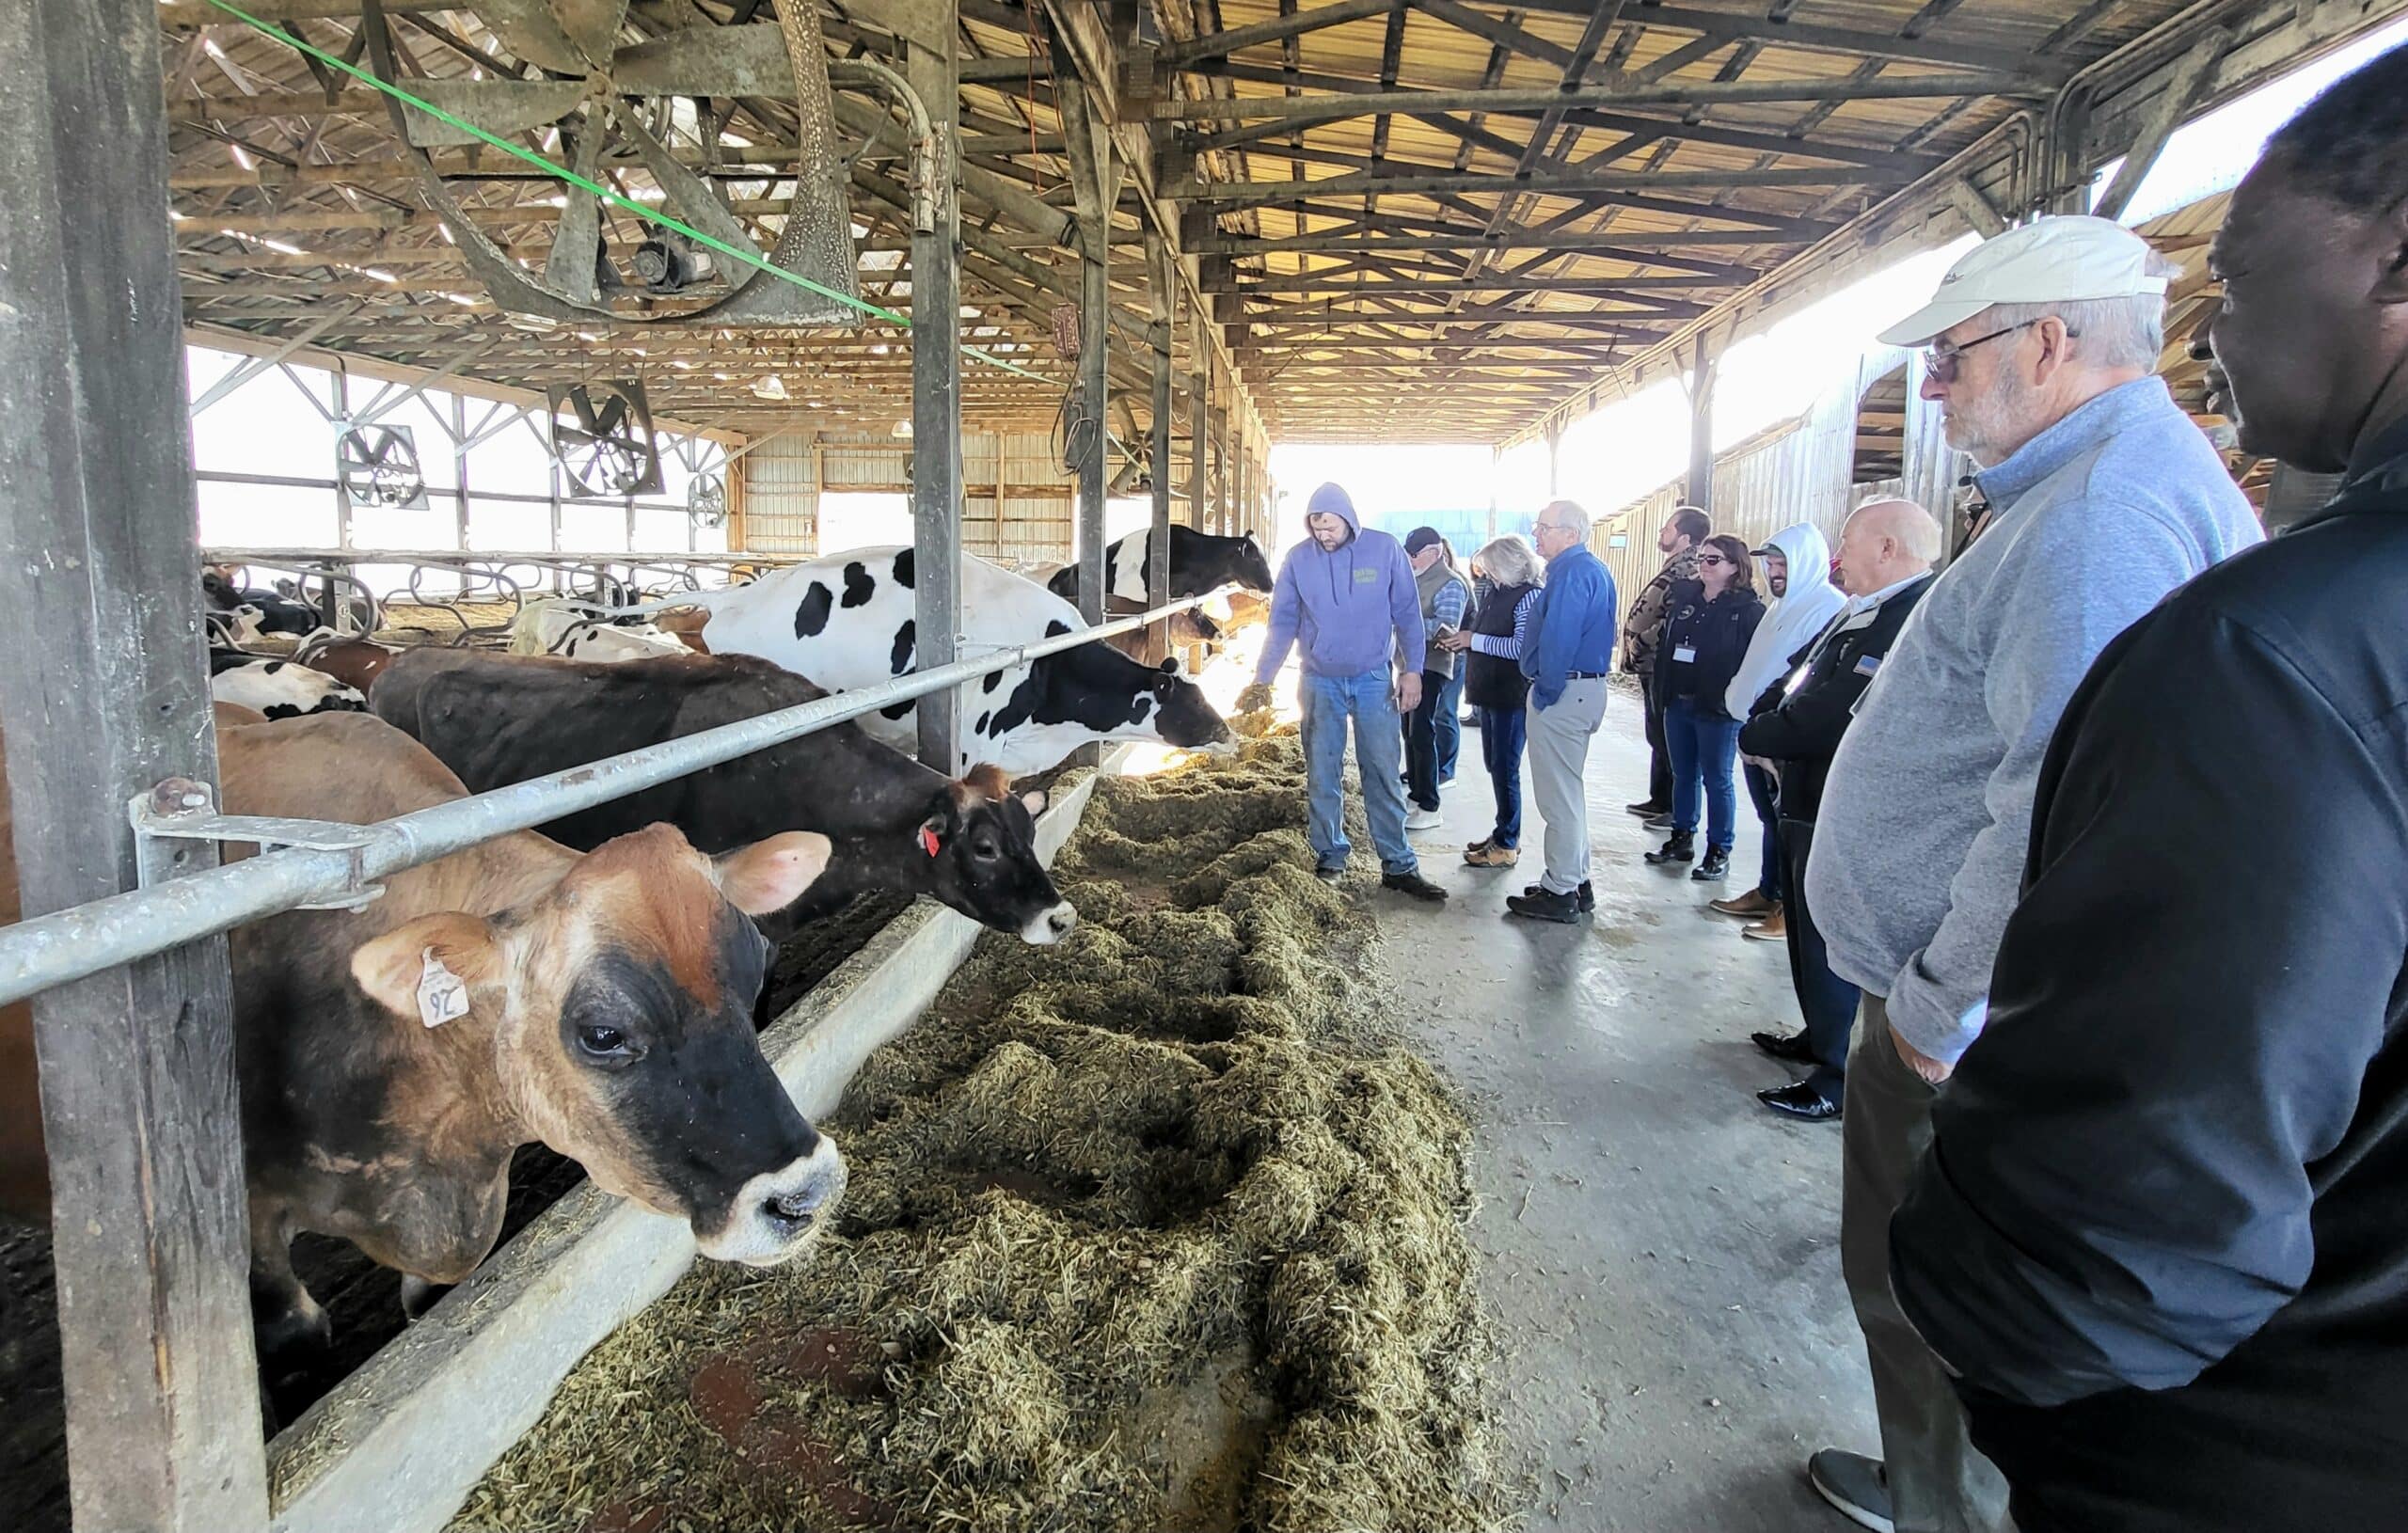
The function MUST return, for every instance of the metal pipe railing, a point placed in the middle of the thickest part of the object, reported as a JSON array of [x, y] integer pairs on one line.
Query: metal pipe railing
[[85, 940]]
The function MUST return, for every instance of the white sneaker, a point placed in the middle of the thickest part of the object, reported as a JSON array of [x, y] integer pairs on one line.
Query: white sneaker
[[1422, 819]]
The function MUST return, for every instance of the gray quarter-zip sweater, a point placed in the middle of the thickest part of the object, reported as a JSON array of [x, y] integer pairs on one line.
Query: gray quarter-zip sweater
[[1919, 851]]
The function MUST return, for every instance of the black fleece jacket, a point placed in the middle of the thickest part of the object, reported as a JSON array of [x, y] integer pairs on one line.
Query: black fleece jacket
[[2162, 1233]]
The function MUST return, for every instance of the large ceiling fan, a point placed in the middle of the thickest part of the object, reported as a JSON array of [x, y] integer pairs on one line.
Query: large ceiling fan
[[593, 81]]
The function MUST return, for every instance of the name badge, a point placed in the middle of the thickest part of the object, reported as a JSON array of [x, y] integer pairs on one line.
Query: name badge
[[1685, 654], [1867, 664]]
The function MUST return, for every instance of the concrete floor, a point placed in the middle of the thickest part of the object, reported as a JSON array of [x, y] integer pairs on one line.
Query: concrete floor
[[1663, 1253]]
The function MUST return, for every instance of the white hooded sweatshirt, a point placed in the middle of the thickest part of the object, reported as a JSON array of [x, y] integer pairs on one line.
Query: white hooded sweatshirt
[[1810, 602]]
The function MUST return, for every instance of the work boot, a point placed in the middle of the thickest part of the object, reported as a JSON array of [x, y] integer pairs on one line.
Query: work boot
[[1587, 896], [1772, 929], [1490, 854], [1545, 906], [1680, 848], [1717, 865], [1752, 904], [1415, 885]]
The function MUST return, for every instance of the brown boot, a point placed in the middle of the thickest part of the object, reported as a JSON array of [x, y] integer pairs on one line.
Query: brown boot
[[1772, 929], [1751, 905]]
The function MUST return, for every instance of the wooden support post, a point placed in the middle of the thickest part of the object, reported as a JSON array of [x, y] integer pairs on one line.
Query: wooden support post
[[1554, 457], [1223, 511], [1091, 154], [103, 685], [1701, 480], [930, 61], [1162, 276], [1199, 387]]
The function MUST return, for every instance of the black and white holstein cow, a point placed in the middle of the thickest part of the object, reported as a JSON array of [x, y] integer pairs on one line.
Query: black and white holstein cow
[[847, 621], [1200, 562], [895, 825], [279, 689]]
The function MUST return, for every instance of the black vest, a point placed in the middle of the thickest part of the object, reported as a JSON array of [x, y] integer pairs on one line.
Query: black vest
[[1489, 682]]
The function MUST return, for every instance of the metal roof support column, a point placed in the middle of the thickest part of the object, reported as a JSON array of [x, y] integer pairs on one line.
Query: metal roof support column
[[1162, 276], [929, 32], [1700, 490], [103, 685], [1089, 145]]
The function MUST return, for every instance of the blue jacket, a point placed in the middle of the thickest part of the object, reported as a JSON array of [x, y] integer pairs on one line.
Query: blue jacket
[[1344, 604], [1573, 624]]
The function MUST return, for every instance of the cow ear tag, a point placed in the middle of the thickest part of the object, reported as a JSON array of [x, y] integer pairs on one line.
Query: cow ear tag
[[929, 840], [442, 996]]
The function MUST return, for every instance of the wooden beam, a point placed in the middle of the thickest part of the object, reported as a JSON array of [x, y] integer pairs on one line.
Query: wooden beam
[[1586, 184], [104, 686], [2181, 92], [1336, 107], [1221, 44], [1986, 220]]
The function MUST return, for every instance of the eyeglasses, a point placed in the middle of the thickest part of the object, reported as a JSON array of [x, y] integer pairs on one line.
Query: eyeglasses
[[1712, 558], [1940, 361]]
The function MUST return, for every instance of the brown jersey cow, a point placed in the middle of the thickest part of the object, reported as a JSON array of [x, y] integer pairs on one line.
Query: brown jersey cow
[[392, 1058]]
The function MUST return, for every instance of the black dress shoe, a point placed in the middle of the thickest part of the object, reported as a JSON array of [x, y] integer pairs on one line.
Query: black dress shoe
[[1545, 906], [1799, 1101], [1415, 885], [1588, 894], [1788, 1045]]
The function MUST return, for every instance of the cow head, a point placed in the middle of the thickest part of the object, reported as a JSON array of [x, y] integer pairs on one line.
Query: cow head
[[979, 838], [618, 1009], [1251, 568], [1099, 688]]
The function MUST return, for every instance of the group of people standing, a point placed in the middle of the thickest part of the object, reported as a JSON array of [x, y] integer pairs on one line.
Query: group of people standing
[[2094, 840]]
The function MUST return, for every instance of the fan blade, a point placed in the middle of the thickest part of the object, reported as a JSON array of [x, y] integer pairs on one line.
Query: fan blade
[[499, 106], [706, 61], [577, 238], [531, 32], [592, 26]]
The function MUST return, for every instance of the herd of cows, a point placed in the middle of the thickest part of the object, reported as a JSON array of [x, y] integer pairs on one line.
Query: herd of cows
[[592, 986]]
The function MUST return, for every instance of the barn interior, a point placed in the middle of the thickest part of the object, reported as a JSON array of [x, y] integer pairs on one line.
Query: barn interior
[[456, 310]]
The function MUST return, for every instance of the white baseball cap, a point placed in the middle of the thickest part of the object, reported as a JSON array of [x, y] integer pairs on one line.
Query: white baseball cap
[[2048, 261]]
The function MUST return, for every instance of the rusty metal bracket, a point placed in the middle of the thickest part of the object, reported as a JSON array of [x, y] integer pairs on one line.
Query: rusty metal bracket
[[181, 809]]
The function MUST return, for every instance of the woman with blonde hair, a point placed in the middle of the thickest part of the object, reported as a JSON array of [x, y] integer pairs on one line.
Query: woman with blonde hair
[[1494, 684]]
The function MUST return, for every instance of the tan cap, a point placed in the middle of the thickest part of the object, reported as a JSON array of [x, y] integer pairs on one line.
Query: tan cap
[[2048, 261]]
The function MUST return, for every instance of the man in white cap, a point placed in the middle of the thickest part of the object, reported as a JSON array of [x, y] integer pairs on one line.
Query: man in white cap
[[2040, 347]]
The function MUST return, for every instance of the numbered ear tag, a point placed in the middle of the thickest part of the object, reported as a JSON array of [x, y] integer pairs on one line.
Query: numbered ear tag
[[442, 997], [928, 841]]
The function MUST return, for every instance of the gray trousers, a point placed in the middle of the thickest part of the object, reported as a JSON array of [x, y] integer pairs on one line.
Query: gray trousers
[[1938, 1481], [1559, 777]]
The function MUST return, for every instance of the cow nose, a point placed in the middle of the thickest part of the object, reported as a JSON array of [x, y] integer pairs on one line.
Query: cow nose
[[1050, 924]]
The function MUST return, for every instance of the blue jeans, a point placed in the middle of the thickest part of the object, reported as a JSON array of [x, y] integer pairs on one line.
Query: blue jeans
[[1502, 732], [1370, 700], [1451, 721], [1762, 790], [1702, 750]]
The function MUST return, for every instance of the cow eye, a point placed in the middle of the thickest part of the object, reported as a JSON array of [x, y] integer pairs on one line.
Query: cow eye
[[601, 1040], [984, 849]]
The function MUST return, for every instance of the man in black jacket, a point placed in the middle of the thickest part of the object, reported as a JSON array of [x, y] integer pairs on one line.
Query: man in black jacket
[[1886, 552], [2160, 1236]]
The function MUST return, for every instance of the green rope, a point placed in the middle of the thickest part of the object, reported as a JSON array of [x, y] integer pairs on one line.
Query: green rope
[[749, 258]]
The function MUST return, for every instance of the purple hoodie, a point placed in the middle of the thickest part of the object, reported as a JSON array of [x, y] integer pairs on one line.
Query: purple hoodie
[[1344, 604]]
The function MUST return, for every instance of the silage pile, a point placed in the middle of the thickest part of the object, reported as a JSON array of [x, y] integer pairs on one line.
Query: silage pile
[[1149, 1230]]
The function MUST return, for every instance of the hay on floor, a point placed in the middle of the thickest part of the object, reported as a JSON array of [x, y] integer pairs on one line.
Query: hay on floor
[[1154, 1229]]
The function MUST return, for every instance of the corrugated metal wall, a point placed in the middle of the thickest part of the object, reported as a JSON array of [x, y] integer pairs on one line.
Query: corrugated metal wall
[[1017, 502], [1799, 472]]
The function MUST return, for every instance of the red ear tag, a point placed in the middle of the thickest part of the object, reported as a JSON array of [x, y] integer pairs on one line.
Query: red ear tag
[[928, 841]]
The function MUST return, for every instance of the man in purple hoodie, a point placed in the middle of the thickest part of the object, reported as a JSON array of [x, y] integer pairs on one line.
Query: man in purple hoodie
[[1348, 594]]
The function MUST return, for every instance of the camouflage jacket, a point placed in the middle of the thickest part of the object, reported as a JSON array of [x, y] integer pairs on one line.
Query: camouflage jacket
[[1643, 628]]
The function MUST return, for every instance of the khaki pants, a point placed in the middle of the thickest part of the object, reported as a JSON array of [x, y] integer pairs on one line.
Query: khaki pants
[[1938, 1481], [1559, 777]]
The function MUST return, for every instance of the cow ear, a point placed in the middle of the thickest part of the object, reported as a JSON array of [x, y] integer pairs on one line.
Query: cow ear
[[1170, 665], [771, 875], [1034, 800], [427, 969]]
